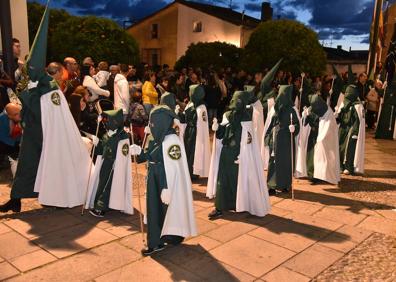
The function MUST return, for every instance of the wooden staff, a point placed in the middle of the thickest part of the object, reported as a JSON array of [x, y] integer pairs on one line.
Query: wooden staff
[[292, 156]]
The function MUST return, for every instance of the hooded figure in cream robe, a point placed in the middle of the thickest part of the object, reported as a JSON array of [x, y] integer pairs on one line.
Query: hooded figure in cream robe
[[111, 184], [196, 135], [318, 153], [170, 212]]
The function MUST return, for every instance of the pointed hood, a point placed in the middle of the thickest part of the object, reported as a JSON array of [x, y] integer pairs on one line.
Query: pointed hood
[[239, 101], [36, 61], [197, 94], [284, 98], [338, 82], [318, 105], [169, 100], [351, 95], [351, 76], [161, 122], [268, 78], [113, 119]]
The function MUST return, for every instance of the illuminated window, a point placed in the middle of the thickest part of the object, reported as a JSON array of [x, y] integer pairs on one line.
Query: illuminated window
[[154, 31], [197, 27]]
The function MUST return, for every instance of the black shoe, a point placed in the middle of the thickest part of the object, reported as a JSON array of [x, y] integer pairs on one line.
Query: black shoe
[[286, 191], [272, 192], [314, 181], [12, 205], [97, 213], [215, 214], [150, 251]]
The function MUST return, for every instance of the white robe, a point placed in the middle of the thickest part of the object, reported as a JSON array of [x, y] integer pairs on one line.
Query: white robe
[[358, 161], [202, 144], [217, 145], [121, 185], [265, 149], [301, 156], [252, 190], [326, 151], [258, 123], [180, 217], [64, 163]]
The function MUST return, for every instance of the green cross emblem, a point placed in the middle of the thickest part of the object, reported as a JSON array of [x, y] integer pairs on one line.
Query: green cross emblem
[[125, 149], [55, 98], [174, 152]]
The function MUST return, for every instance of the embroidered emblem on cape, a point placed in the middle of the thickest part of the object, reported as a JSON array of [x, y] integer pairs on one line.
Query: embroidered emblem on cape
[[55, 98], [174, 152], [249, 139], [125, 149], [204, 116]]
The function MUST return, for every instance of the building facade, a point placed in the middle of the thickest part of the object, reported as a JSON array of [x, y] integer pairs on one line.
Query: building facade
[[164, 36]]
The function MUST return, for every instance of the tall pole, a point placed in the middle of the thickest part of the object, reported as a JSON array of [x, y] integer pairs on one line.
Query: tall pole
[[6, 36], [374, 37]]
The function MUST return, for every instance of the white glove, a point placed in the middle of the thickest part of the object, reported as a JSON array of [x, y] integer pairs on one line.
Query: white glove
[[292, 128], [215, 125], [100, 118], [95, 140], [248, 106], [236, 161], [176, 122], [331, 91], [303, 74], [165, 196], [177, 109], [147, 130], [135, 150]]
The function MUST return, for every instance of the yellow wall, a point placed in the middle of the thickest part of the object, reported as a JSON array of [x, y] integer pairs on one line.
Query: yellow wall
[[167, 35]]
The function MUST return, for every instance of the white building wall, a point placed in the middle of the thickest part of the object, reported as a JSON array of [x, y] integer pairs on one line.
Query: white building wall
[[213, 29], [19, 22]]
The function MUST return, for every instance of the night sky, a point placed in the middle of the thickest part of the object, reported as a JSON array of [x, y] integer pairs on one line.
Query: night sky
[[338, 22]]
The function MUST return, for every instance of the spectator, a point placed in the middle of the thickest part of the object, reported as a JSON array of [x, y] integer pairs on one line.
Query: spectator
[[114, 70], [162, 87], [17, 64], [89, 82], [103, 74], [88, 62], [212, 96], [87, 117], [55, 70], [5, 84], [77, 104], [149, 94], [135, 84], [362, 86], [373, 101], [10, 133], [139, 118], [70, 77], [191, 80], [121, 91]]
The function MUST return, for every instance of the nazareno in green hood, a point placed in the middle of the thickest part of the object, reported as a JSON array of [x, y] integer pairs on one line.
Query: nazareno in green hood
[[113, 119], [168, 99], [318, 106], [351, 94], [284, 98], [239, 101], [161, 122], [197, 94]]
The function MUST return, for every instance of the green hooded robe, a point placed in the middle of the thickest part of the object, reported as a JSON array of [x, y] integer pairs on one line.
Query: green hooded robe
[[107, 147], [278, 138], [161, 124], [386, 122], [227, 176], [197, 95], [349, 123]]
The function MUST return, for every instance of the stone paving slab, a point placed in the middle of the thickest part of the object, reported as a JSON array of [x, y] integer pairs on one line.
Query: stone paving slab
[[13, 245], [282, 274], [7, 270], [251, 255], [32, 260], [377, 224], [341, 216]]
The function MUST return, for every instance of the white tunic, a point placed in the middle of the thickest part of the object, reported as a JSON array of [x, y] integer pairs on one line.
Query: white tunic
[[121, 185], [202, 144], [180, 217], [64, 163]]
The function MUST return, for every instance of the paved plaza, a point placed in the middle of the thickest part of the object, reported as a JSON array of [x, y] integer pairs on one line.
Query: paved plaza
[[329, 233]]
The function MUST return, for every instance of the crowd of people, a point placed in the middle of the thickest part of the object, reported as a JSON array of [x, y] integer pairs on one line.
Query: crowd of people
[[289, 125]]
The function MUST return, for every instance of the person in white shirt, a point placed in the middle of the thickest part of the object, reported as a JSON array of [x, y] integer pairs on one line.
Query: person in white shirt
[[87, 73], [121, 91], [103, 74]]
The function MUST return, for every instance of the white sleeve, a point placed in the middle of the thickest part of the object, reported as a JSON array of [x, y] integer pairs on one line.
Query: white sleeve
[[93, 87]]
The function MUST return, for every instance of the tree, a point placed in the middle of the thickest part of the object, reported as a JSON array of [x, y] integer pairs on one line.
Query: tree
[[297, 44], [79, 37], [210, 54]]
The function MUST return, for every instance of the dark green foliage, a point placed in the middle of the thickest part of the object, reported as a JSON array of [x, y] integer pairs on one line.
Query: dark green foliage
[[79, 37]]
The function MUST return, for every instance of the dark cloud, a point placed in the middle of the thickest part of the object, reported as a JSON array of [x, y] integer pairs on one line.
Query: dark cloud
[[278, 10]]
